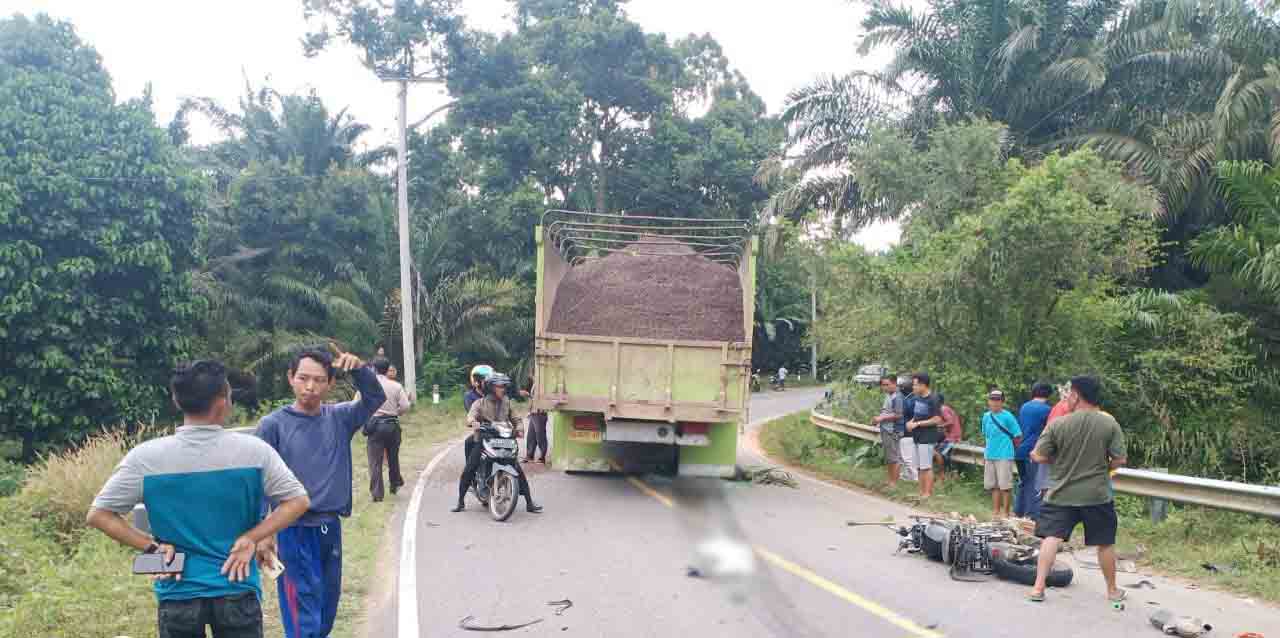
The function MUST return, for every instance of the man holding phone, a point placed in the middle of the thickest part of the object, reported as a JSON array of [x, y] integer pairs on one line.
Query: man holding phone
[[203, 488]]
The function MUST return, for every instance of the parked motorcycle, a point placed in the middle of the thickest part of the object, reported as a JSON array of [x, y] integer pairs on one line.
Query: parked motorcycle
[[496, 483], [755, 381]]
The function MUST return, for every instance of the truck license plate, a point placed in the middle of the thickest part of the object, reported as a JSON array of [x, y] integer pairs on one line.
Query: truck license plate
[[585, 436]]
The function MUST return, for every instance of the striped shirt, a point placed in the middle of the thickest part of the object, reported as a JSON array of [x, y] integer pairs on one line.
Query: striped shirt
[[203, 488]]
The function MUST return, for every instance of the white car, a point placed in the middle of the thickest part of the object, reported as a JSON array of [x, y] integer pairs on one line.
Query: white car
[[869, 375]]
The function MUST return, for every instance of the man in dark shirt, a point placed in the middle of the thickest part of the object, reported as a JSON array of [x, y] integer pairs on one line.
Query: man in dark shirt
[[314, 439], [1031, 420], [923, 428]]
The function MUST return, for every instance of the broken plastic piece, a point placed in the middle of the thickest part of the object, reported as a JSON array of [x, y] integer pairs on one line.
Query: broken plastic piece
[[466, 624]]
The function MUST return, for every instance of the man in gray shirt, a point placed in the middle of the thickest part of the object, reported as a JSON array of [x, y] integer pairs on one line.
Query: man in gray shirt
[[203, 488], [890, 438]]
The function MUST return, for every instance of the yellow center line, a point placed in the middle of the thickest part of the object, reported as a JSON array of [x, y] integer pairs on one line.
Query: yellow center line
[[657, 496], [872, 607]]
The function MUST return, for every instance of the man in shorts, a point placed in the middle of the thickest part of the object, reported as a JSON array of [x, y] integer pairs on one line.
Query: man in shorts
[[890, 438], [924, 429], [1084, 447], [1000, 429]]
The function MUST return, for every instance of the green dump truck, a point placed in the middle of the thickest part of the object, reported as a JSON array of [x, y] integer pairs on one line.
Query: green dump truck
[[619, 402]]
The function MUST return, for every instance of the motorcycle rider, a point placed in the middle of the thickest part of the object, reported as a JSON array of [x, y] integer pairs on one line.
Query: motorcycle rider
[[475, 391], [495, 407]]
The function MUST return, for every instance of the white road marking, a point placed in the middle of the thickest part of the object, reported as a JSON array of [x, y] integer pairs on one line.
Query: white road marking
[[407, 608]]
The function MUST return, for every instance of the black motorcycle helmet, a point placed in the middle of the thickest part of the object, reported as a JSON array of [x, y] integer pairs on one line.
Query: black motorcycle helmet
[[497, 379]]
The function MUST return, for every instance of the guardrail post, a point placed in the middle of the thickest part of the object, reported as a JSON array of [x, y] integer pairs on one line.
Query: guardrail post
[[435, 393], [1159, 507]]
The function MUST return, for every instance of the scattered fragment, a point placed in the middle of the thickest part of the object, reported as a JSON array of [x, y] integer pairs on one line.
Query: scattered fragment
[[1144, 583], [693, 572], [1218, 569], [466, 624], [430, 524], [831, 548], [1249, 634], [1182, 626], [561, 605], [766, 476]]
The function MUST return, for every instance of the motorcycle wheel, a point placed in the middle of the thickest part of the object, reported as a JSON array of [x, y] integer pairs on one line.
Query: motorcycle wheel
[[1025, 573], [503, 497]]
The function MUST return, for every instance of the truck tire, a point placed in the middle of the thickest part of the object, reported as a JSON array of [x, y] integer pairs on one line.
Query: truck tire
[[1025, 573]]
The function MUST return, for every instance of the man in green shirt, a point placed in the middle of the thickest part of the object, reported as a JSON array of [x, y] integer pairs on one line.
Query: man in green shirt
[[1084, 448]]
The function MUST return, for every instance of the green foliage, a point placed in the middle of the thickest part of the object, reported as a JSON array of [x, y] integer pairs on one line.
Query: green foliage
[[96, 211], [12, 476], [1180, 374], [294, 234], [406, 39], [998, 290]]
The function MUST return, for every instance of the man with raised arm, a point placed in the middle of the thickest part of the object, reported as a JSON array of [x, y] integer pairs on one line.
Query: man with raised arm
[[314, 439]]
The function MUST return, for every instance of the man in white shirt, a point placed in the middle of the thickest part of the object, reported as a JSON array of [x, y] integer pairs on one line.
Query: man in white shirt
[[383, 430]]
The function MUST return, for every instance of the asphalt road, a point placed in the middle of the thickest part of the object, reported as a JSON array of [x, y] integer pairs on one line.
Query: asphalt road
[[620, 549]]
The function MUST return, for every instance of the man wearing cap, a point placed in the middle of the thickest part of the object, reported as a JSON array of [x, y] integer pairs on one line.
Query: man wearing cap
[[1003, 435]]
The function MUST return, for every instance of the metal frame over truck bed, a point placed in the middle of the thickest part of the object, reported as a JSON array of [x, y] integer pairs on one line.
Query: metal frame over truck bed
[[611, 399]]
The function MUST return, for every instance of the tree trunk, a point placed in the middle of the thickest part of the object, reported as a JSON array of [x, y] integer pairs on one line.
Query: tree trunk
[[29, 446]]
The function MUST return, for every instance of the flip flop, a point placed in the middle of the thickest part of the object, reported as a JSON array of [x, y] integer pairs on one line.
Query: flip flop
[[1036, 597], [1118, 599]]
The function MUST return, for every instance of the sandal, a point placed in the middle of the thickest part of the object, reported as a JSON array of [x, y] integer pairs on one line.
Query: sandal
[[1036, 597], [1119, 599]]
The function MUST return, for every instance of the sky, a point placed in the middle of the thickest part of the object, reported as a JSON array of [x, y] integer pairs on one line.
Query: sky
[[197, 48]]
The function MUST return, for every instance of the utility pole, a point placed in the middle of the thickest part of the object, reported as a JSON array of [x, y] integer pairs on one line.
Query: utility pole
[[813, 323], [402, 203]]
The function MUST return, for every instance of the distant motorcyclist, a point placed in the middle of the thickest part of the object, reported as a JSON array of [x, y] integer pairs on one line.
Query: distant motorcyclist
[[475, 391], [494, 407], [475, 385]]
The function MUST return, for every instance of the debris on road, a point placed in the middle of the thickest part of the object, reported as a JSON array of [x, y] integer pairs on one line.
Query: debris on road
[[1182, 626], [561, 605], [1218, 569], [1144, 583], [765, 476], [1249, 634], [466, 624], [693, 572]]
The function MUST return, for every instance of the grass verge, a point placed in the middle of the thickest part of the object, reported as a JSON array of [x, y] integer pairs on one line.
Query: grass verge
[[1245, 549], [59, 579]]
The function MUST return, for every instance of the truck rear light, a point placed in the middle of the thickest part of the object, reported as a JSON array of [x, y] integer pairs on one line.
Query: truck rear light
[[586, 422], [695, 428]]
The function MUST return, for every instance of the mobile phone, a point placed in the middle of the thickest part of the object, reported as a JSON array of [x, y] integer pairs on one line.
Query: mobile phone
[[154, 564]]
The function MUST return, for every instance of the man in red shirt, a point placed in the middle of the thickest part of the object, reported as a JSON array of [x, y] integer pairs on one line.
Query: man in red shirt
[[952, 433]]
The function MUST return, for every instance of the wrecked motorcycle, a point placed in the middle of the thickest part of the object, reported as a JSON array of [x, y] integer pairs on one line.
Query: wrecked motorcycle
[[977, 551]]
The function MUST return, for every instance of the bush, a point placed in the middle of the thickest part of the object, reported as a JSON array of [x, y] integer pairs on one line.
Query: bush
[[61, 487], [11, 475]]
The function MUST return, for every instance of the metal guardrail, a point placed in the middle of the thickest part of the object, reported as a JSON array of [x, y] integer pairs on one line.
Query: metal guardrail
[[1262, 500]]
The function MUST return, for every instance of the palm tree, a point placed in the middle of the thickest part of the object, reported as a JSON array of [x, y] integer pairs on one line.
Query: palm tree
[[1247, 250], [771, 313], [1018, 63], [274, 126]]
